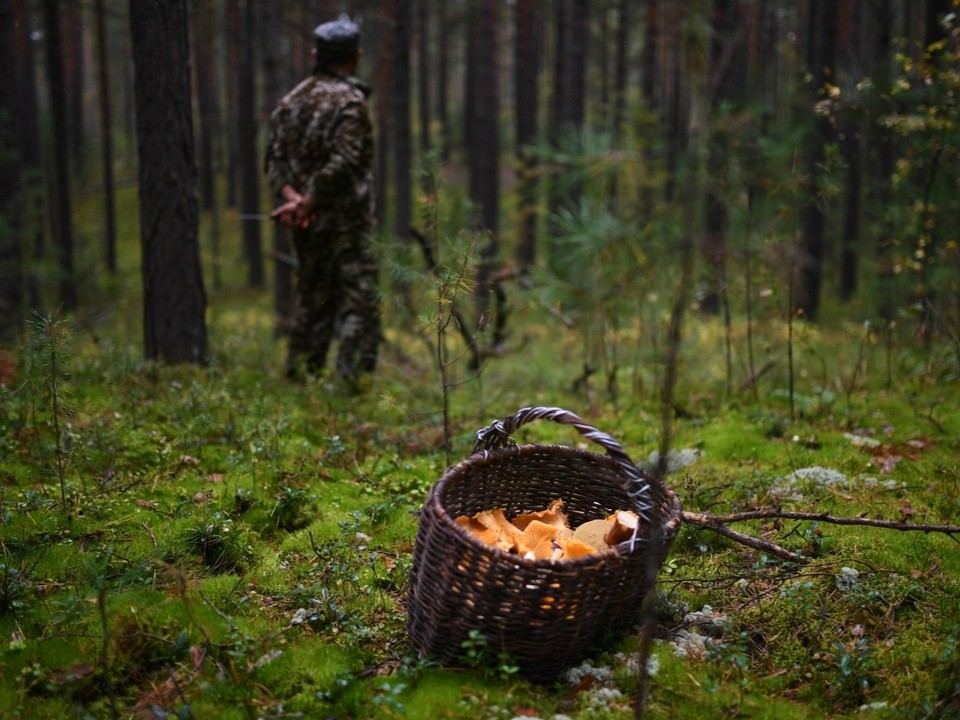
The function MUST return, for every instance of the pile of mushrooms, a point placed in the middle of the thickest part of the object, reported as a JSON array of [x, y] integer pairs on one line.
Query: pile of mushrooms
[[546, 534]]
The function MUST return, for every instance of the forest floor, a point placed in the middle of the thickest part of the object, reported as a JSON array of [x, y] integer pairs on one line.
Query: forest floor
[[219, 542]]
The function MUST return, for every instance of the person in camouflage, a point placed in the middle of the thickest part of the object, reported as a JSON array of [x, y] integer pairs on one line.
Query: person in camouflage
[[319, 161]]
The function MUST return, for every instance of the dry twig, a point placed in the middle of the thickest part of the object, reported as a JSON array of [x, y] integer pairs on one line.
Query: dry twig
[[718, 523]]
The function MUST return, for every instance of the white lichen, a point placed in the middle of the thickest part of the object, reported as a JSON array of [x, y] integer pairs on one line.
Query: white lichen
[[847, 579]]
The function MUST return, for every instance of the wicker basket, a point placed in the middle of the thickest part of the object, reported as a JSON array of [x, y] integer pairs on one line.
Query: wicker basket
[[545, 615]]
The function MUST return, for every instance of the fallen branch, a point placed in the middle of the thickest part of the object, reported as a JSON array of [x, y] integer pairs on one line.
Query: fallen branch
[[718, 524], [833, 520], [712, 523]]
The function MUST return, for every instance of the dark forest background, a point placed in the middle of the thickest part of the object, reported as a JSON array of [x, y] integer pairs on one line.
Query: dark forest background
[[806, 146]]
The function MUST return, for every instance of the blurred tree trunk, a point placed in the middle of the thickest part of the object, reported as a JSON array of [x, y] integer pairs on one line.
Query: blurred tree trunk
[[323, 11], [672, 89], [203, 35], [883, 160], [648, 91], [234, 61], [174, 300], [247, 155], [402, 152], [849, 62], [31, 162], [283, 292], [106, 141], [570, 28], [578, 32], [11, 185], [527, 70], [621, 61], [443, 66], [424, 69], [727, 65], [203, 22], [484, 142], [384, 106], [74, 77], [558, 29], [603, 34], [60, 217], [821, 44]]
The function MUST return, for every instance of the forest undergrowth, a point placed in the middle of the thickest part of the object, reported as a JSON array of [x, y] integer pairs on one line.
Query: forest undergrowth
[[197, 542], [219, 542]]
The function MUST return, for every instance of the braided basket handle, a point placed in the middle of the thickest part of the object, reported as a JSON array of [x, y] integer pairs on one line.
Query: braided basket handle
[[645, 490]]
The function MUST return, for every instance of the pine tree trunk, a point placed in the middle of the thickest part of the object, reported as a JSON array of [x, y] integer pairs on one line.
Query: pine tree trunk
[[106, 141], [283, 292], [60, 217], [620, 66], [484, 147], [234, 60], [384, 107], [443, 64], [820, 63], [402, 157], [30, 154], [849, 61], [883, 162], [555, 119], [725, 65], [11, 186], [74, 76], [174, 300], [424, 68], [526, 67], [248, 157]]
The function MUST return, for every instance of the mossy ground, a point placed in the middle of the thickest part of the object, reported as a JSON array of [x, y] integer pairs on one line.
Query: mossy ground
[[230, 544]]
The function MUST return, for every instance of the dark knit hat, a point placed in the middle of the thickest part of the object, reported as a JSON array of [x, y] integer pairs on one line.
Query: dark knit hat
[[337, 41]]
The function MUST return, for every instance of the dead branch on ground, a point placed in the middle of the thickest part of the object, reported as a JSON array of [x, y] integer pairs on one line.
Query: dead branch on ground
[[718, 524]]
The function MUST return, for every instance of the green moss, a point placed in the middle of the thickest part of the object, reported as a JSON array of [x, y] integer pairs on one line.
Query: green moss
[[305, 676]]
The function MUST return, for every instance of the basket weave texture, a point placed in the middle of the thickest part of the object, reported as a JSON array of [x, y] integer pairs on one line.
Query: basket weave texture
[[545, 615]]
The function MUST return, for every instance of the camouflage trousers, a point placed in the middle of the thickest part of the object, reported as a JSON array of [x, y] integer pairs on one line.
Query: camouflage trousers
[[337, 296]]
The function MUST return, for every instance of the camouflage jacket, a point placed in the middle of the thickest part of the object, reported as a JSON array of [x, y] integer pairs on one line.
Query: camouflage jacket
[[321, 144]]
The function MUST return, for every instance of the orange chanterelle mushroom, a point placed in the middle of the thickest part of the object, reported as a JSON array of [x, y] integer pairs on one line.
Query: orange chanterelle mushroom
[[546, 534]]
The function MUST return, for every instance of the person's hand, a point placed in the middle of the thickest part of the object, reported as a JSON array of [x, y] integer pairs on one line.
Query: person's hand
[[286, 214], [297, 211], [306, 213]]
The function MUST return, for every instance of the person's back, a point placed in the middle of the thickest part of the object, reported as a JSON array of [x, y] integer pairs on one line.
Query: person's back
[[326, 142], [319, 160]]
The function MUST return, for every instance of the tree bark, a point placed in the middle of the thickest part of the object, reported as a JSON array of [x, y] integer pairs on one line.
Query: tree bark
[[848, 48], [384, 106], [443, 77], [74, 76], [883, 163], [424, 68], [33, 242], [106, 141], [247, 155], [822, 33], [484, 147], [402, 154], [11, 186], [204, 43], [283, 291], [555, 120], [234, 61], [174, 298], [60, 218], [526, 68]]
